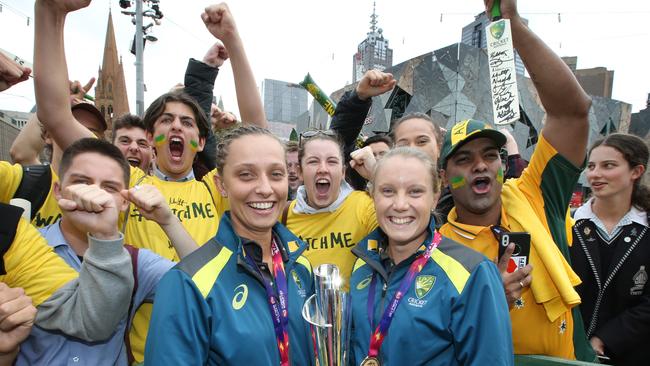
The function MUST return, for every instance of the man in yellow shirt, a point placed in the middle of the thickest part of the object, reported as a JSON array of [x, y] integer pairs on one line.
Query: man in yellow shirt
[[543, 302], [176, 128]]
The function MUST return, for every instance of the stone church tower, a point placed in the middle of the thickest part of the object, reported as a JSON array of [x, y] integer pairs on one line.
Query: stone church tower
[[110, 92]]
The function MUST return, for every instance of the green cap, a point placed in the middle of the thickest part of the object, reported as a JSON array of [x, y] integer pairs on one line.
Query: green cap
[[466, 131]]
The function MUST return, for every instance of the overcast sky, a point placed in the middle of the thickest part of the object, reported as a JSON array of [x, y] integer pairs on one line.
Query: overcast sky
[[285, 39]]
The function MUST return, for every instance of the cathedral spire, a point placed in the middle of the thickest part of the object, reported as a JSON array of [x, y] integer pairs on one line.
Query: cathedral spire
[[110, 93]]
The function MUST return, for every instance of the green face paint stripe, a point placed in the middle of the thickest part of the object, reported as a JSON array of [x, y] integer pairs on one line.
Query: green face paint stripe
[[457, 182], [500, 175], [194, 144], [159, 139]]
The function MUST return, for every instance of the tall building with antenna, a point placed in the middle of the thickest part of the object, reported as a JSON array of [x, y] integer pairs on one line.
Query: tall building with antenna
[[373, 52]]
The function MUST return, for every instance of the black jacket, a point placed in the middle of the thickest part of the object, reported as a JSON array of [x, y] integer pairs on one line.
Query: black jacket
[[615, 298], [347, 121], [199, 84]]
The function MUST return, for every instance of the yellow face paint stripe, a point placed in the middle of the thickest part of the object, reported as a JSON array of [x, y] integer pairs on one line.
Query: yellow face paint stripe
[[204, 279], [457, 182]]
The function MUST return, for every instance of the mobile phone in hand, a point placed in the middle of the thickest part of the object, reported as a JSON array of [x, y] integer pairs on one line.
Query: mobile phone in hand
[[520, 255]]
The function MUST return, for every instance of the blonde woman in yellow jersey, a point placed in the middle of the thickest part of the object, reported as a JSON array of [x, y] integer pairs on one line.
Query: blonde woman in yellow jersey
[[327, 214]]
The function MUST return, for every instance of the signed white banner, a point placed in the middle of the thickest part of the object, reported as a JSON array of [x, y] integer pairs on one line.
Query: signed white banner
[[503, 75], [17, 59]]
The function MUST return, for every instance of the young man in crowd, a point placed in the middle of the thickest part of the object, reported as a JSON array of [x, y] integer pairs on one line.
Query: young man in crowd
[[176, 127], [95, 175], [293, 168], [130, 136], [543, 301], [380, 145]]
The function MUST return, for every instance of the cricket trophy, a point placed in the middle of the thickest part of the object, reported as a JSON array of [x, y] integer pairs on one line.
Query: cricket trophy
[[328, 312]]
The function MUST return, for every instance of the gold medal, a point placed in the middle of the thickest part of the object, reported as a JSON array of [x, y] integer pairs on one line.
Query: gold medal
[[370, 361]]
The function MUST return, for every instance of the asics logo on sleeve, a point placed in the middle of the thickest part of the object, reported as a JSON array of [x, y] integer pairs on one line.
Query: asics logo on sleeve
[[364, 283], [241, 294]]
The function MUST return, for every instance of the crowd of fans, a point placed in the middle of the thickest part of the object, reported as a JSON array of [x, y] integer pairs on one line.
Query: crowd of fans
[[191, 237]]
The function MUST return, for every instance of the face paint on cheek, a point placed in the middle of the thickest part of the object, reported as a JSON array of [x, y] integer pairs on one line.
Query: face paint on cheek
[[457, 182], [500, 175], [194, 145], [160, 140]]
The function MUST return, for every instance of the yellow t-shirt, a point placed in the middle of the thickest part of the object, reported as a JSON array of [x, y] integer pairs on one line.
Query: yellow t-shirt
[[199, 209], [12, 175], [330, 236], [547, 183], [32, 265]]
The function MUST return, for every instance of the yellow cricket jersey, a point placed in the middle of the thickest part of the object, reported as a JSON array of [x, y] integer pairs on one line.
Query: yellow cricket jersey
[[330, 236], [197, 204], [547, 184], [32, 265], [12, 175]]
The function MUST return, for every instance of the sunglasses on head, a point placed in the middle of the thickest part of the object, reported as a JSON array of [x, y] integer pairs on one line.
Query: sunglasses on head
[[313, 133]]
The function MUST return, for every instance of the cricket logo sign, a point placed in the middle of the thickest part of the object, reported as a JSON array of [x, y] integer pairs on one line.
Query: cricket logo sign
[[423, 284], [497, 29], [301, 291]]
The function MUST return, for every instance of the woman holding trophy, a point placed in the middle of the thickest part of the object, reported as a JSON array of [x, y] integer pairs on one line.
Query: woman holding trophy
[[237, 300], [419, 298]]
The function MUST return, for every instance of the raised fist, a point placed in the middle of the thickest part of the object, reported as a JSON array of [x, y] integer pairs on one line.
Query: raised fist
[[373, 83], [220, 22]]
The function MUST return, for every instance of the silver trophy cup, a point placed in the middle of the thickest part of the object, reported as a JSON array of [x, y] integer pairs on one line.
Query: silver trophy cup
[[328, 311]]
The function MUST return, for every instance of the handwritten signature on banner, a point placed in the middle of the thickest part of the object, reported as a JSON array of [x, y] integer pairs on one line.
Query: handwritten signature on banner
[[503, 76], [503, 81]]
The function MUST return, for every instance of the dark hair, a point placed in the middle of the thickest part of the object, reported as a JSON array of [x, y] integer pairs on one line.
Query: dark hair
[[127, 120], [378, 138], [291, 146], [157, 108], [635, 152], [329, 136], [223, 147], [436, 129], [93, 145]]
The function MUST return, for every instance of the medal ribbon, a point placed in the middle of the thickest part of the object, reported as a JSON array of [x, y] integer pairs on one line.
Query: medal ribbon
[[278, 302], [378, 336]]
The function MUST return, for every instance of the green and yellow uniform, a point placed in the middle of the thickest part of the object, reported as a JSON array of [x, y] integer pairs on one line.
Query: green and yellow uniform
[[542, 321]]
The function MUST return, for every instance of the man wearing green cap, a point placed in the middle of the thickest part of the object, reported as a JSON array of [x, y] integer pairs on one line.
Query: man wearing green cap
[[541, 296]]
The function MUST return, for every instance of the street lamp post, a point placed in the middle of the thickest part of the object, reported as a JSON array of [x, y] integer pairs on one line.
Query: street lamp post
[[139, 40], [139, 67]]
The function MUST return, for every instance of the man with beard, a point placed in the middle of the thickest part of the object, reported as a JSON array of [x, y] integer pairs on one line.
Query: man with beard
[[543, 301]]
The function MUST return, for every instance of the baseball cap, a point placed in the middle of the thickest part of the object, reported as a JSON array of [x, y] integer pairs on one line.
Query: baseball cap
[[89, 107], [464, 132]]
